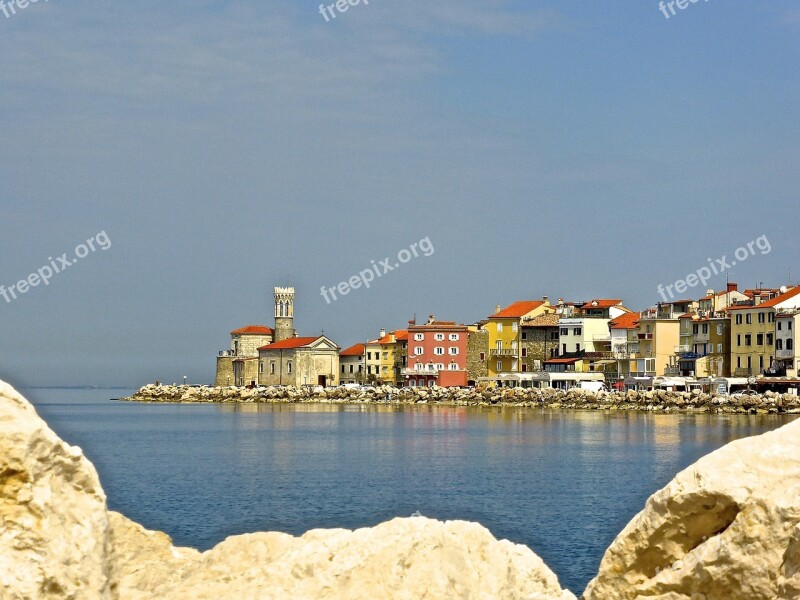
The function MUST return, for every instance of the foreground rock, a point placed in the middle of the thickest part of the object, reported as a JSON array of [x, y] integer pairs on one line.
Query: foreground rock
[[58, 541], [727, 527], [658, 400]]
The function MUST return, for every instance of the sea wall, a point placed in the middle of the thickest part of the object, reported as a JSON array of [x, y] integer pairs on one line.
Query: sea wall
[[769, 402]]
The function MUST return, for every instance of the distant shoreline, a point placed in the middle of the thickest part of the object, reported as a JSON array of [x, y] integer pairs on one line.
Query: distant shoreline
[[650, 401]]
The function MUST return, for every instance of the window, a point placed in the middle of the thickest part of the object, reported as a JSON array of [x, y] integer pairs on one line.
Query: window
[[738, 319], [771, 317], [762, 317], [779, 344], [499, 327], [554, 336], [385, 356], [779, 325], [524, 352], [272, 367], [790, 344], [351, 368], [454, 337], [289, 367], [499, 345], [719, 348], [576, 331], [483, 356], [739, 339], [439, 337], [418, 350], [705, 327], [720, 329], [453, 350], [760, 339], [524, 335], [524, 368], [749, 318], [369, 355], [577, 347], [564, 331], [789, 325], [440, 366], [695, 329], [514, 326], [499, 365], [419, 367], [453, 367], [260, 366], [418, 337], [769, 339], [748, 339], [513, 365], [438, 351]]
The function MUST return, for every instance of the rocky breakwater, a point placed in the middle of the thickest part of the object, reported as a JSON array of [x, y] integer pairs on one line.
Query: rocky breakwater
[[695, 401], [59, 541]]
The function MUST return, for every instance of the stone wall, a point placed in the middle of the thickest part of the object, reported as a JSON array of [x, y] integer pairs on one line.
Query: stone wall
[[477, 343], [224, 374]]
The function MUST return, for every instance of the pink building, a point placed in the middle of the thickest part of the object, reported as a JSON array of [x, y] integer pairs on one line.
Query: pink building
[[437, 354]]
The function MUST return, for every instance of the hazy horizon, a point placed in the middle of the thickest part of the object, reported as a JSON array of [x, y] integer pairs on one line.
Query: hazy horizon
[[544, 150]]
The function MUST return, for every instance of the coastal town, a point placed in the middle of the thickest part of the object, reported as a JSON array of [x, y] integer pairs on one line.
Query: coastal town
[[724, 342]]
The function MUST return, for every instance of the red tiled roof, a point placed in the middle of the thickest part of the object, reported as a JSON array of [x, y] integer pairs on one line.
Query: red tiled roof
[[518, 309], [779, 299], [356, 350], [297, 342], [602, 303], [687, 316], [626, 321], [253, 330], [561, 361]]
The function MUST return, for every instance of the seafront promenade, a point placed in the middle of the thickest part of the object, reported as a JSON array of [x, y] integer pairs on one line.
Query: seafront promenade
[[575, 399]]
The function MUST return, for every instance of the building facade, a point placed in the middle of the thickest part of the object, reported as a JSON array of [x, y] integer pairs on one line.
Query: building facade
[[235, 365], [437, 354], [299, 361], [505, 341], [352, 363]]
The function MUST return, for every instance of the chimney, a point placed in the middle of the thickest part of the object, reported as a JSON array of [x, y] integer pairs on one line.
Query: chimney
[[546, 300], [733, 287], [497, 309], [431, 320], [383, 333]]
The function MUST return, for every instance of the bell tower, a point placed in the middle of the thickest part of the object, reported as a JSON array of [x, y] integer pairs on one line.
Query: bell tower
[[284, 313]]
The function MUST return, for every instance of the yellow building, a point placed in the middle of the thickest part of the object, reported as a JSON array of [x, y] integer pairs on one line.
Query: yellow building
[[504, 327], [704, 346], [656, 340], [386, 357], [753, 332]]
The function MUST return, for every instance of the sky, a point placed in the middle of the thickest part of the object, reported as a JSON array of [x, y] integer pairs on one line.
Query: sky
[[567, 149]]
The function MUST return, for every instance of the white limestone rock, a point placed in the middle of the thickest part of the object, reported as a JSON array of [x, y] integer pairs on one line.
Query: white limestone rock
[[52, 511], [726, 528]]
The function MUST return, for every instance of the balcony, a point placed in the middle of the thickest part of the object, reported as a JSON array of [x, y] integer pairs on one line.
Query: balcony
[[601, 337], [226, 353], [415, 373], [744, 372], [701, 338], [504, 352], [624, 355], [683, 349], [672, 371], [645, 336]]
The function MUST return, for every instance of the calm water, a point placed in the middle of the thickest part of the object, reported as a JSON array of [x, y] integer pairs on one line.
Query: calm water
[[563, 483]]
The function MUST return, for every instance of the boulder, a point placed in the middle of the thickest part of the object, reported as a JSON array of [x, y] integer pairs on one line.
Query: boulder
[[728, 527]]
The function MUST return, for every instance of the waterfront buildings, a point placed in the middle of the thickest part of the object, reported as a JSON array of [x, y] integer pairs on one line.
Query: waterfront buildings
[[504, 327], [725, 334], [753, 329], [437, 354]]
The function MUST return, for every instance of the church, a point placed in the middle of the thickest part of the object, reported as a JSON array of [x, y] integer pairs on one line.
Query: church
[[261, 355]]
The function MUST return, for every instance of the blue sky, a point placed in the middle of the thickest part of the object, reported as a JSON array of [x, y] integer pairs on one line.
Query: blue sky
[[546, 148]]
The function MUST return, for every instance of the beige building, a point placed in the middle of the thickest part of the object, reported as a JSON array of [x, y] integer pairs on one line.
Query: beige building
[[351, 364], [299, 361], [237, 366], [656, 340]]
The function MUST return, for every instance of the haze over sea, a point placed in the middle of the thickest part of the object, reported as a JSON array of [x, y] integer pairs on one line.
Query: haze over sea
[[563, 483]]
